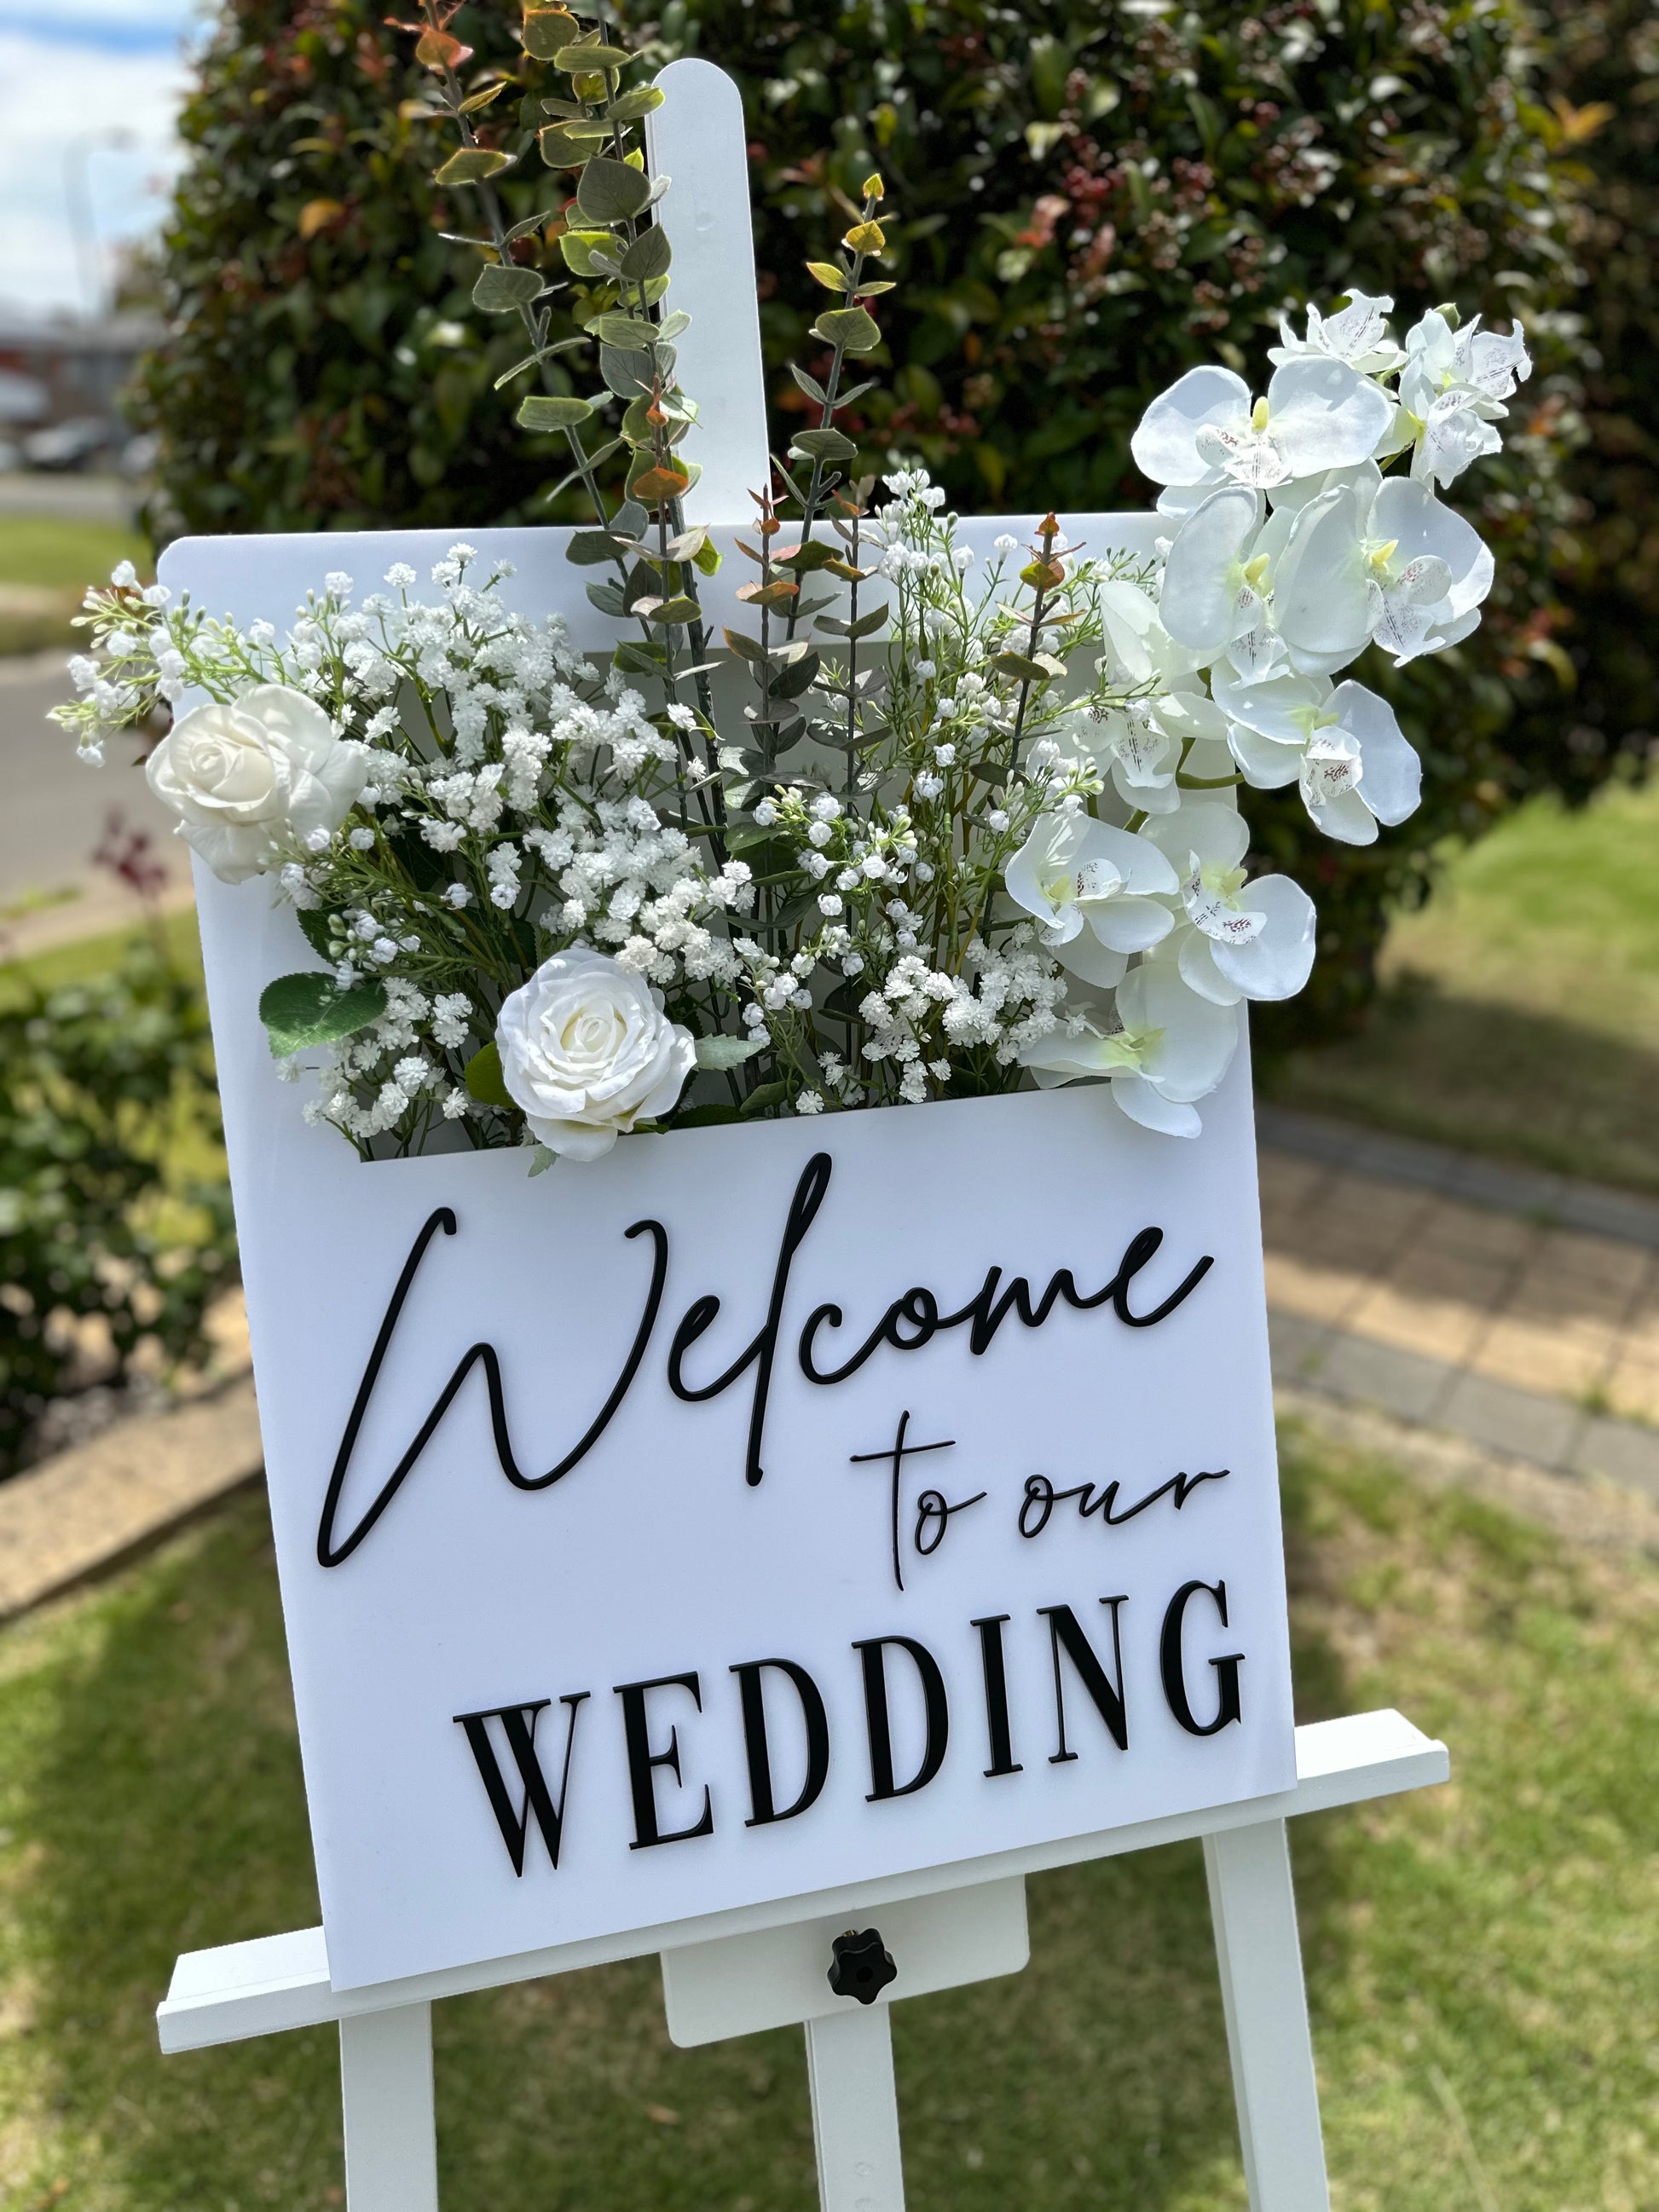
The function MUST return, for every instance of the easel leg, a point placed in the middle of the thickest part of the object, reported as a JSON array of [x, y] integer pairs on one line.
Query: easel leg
[[1253, 1906], [849, 2064], [390, 2134]]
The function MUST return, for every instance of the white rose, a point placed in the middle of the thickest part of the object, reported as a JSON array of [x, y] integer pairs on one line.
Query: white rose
[[586, 1052], [248, 779]]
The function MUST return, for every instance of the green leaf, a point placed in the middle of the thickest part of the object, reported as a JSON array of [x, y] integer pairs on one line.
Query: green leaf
[[705, 1117], [567, 145], [611, 192], [1016, 663], [542, 1160], [828, 274], [588, 548], [649, 255], [679, 611], [643, 100], [707, 558], [810, 386], [722, 1052], [503, 286], [628, 333], [472, 165], [590, 60], [547, 412], [480, 101], [300, 1010], [608, 598], [579, 247], [824, 445], [485, 1079], [769, 1094], [849, 328]]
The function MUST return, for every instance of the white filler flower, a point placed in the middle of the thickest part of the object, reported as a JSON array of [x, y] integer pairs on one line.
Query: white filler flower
[[586, 1052], [248, 779]]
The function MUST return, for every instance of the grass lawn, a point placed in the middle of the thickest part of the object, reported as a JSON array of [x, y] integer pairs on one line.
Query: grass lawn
[[42, 554], [1522, 1013], [1483, 1960]]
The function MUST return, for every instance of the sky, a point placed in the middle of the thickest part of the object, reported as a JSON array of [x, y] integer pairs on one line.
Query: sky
[[74, 74]]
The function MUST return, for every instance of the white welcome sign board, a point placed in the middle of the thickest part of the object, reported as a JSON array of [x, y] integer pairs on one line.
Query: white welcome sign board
[[755, 1511]]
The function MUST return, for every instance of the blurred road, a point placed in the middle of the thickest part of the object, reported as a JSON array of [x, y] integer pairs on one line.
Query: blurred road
[[54, 814]]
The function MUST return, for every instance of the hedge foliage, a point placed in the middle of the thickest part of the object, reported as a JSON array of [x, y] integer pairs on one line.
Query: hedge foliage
[[1094, 196], [98, 1082]]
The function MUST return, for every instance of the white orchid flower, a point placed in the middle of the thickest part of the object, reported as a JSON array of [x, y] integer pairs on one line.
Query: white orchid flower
[[1092, 890], [1142, 745], [1215, 581], [1452, 390], [1357, 335], [1367, 558], [1172, 1048], [1246, 938], [1139, 650], [1344, 746], [1140, 758], [1429, 571], [1318, 414]]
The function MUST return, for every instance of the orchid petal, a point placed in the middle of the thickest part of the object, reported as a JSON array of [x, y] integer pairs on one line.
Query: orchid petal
[[1164, 445]]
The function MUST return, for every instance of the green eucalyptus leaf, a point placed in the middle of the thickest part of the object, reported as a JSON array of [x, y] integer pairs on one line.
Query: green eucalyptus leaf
[[568, 145], [650, 255], [503, 287], [629, 333], [643, 100], [472, 165], [588, 548], [579, 247], [301, 1011], [590, 59], [825, 445], [542, 1159], [611, 192], [548, 411], [849, 328]]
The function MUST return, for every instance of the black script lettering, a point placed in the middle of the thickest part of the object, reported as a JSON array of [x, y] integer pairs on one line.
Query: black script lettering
[[331, 1554], [1064, 1630], [1040, 1497], [873, 1656], [519, 1726], [643, 1762], [760, 1353], [896, 1457], [758, 1751], [915, 1320], [1174, 1671], [996, 1696]]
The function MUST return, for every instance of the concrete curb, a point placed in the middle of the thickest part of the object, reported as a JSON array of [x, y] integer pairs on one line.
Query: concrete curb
[[88, 1509]]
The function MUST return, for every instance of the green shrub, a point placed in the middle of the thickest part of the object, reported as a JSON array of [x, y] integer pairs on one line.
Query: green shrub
[[105, 1087], [1093, 200]]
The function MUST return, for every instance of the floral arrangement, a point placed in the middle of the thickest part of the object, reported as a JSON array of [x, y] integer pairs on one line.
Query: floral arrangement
[[927, 833]]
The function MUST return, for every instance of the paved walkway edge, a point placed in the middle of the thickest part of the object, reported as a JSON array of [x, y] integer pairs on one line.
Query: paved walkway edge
[[89, 1508], [1561, 1201], [1552, 1433]]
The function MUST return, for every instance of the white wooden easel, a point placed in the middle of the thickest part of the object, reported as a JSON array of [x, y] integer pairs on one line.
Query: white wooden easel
[[736, 1973]]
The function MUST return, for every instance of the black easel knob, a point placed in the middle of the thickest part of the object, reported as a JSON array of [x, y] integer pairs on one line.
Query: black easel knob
[[862, 1966]]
